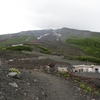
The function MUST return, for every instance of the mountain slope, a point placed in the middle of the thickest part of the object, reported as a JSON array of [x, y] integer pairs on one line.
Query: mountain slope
[[61, 34], [73, 33], [53, 40]]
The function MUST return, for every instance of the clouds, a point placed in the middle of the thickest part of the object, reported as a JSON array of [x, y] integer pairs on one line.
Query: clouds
[[19, 15], [81, 14], [13, 17]]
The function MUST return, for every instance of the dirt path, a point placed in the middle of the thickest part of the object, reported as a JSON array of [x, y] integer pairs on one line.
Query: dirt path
[[55, 88]]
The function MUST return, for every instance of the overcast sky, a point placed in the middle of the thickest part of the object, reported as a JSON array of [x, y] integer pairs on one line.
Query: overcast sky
[[21, 15]]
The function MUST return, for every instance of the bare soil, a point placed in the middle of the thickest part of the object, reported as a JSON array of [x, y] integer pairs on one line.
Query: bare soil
[[34, 83]]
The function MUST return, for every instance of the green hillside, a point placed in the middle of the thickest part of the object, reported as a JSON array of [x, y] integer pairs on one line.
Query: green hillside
[[17, 40], [90, 46]]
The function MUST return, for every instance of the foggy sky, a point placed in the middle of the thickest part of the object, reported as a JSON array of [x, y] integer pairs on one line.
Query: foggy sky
[[21, 15]]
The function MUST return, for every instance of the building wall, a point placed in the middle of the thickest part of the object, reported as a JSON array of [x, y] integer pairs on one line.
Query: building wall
[[17, 45], [96, 67], [87, 68]]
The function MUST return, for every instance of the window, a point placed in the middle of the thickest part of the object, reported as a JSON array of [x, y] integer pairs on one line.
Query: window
[[96, 69]]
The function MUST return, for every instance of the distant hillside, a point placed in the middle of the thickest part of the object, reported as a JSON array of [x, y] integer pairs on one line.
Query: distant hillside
[[16, 39], [62, 34], [73, 33], [22, 37], [55, 41]]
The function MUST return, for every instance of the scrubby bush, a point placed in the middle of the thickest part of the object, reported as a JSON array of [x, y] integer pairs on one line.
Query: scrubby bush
[[14, 70], [89, 58], [82, 86], [44, 50], [90, 46], [19, 48], [96, 93]]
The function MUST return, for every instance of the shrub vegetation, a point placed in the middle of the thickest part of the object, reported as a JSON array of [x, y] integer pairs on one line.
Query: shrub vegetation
[[19, 48], [90, 46], [44, 50]]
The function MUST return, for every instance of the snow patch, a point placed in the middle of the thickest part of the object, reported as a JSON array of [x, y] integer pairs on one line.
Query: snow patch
[[57, 39], [59, 35], [39, 37], [43, 36]]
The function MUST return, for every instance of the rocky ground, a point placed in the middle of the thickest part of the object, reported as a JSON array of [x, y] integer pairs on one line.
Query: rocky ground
[[34, 83]]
